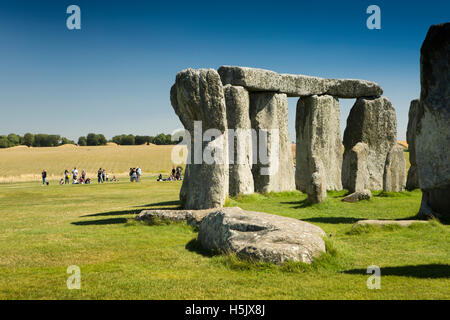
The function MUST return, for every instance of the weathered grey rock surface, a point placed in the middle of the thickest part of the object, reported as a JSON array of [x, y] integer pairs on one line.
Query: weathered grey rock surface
[[403, 223], [372, 121], [240, 155], [269, 111], [318, 135], [412, 181], [433, 122], [358, 196], [261, 236], [255, 79], [353, 88], [191, 217], [198, 96], [316, 189], [355, 174], [394, 177]]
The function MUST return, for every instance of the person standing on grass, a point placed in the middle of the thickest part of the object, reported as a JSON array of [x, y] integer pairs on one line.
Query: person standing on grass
[[66, 177], [75, 174], [83, 175], [138, 173], [44, 177], [103, 175], [133, 175], [99, 175]]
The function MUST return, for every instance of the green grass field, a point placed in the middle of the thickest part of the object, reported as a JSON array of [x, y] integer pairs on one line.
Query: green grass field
[[43, 230], [20, 164]]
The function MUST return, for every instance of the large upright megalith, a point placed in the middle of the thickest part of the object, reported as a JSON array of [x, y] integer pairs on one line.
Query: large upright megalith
[[412, 181], [197, 96], [433, 122], [274, 168], [318, 135], [371, 121], [239, 139]]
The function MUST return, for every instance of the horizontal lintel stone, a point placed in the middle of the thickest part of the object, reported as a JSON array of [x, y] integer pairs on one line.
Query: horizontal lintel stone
[[254, 79]]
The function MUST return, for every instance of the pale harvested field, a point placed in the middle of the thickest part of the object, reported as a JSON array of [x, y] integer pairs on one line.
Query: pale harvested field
[[26, 164]]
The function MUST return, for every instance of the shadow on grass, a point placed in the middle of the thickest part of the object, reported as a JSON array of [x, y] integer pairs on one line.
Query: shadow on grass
[[114, 213], [100, 222], [163, 203], [299, 204], [195, 246], [333, 220], [433, 271]]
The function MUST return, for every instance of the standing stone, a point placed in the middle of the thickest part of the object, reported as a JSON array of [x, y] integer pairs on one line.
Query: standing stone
[[372, 121], [354, 174], [412, 181], [395, 170], [274, 168], [240, 152], [198, 96], [318, 135], [316, 189], [433, 121]]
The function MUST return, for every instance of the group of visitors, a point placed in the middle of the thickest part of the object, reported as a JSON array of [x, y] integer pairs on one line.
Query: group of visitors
[[175, 175], [102, 176], [75, 178], [68, 176], [135, 174]]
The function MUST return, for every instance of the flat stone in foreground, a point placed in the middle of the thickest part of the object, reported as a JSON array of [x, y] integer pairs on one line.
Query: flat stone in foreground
[[261, 236], [192, 217], [358, 196]]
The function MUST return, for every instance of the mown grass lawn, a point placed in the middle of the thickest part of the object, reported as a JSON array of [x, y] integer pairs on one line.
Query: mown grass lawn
[[43, 230]]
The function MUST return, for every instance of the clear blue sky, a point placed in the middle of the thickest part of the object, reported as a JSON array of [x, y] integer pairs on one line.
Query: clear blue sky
[[114, 75]]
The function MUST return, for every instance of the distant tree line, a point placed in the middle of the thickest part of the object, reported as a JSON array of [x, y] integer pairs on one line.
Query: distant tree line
[[33, 140], [130, 140], [92, 139]]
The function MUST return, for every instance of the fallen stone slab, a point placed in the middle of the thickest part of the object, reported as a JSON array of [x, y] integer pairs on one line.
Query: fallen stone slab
[[261, 236], [191, 217], [358, 196], [403, 223], [293, 85]]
